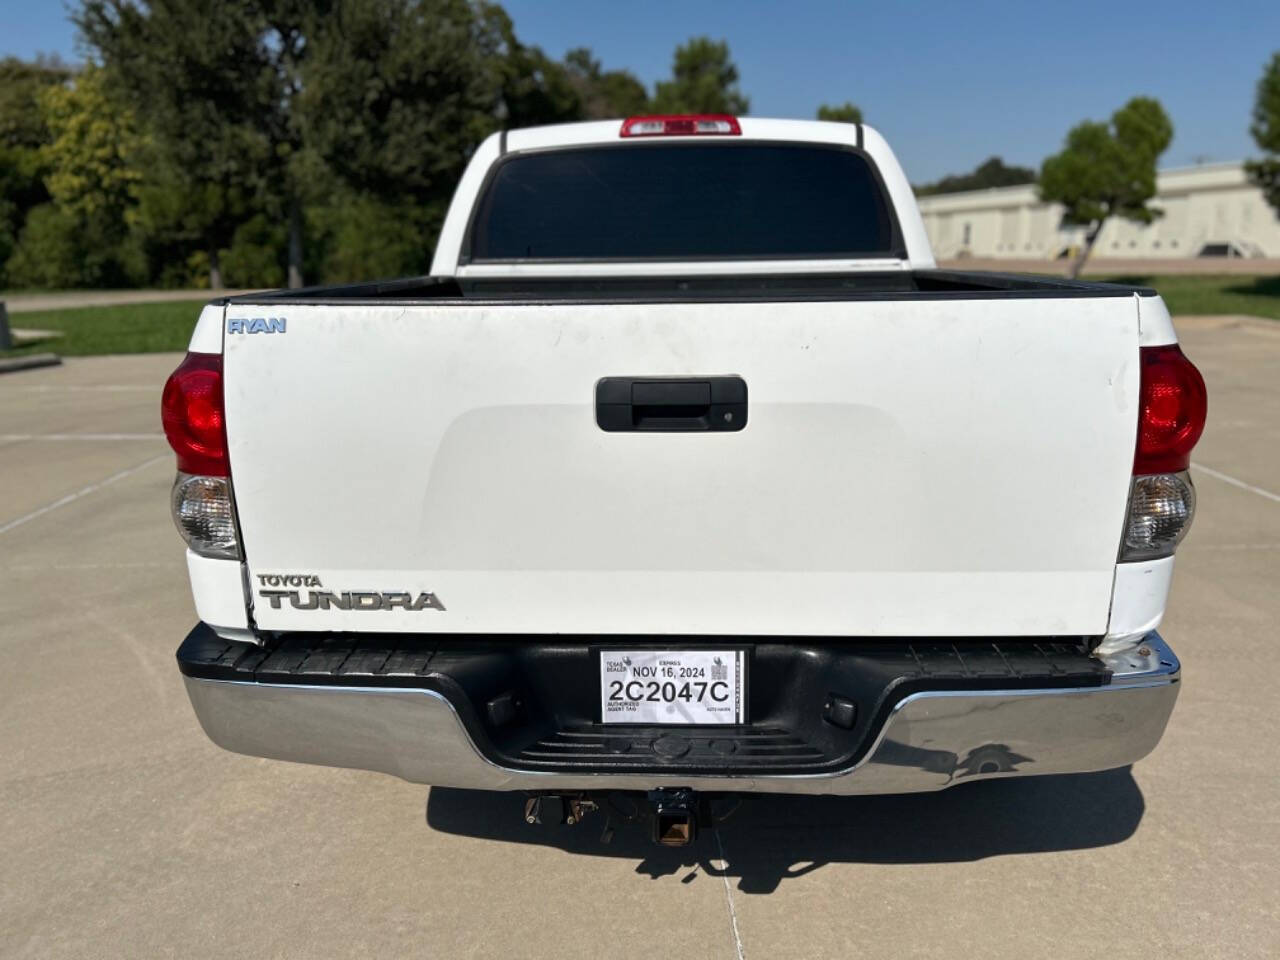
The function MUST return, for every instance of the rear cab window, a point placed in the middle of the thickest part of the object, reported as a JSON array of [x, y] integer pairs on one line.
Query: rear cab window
[[683, 201]]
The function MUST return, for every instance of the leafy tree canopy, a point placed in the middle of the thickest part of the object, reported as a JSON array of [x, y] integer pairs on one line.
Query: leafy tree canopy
[[1266, 133], [205, 140], [398, 93], [23, 133], [532, 88], [992, 172], [92, 148], [268, 106], [603, 94], [21, 83], [1107, 170], [844, 113], [703, 80], [213, 86]]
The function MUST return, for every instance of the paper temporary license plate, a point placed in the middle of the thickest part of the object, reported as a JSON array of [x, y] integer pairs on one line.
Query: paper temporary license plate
[[673, 686]]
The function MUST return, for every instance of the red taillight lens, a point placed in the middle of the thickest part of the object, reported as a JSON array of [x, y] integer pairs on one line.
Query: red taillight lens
[[192, 412], [1172, 406], [682, 125]]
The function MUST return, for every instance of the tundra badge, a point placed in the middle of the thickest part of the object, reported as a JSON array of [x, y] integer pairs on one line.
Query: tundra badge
[[308, 599]]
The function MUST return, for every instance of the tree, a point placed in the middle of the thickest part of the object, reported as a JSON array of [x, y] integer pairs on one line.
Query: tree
[[992, 172], [844, 113], [48, 252], [532, 88], [23, 134], [358, 237], [172, 63], [82, 237], [703, 80], [256, 111], [1108, 170], [604, 94], [397, 94], [92, 151], [1266, 133], [213, 86]]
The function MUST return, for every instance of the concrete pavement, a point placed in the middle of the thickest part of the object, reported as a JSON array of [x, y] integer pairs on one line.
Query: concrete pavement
[[128, 834]]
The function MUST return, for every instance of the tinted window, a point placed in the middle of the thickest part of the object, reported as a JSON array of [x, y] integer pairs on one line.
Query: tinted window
[[683, 201]]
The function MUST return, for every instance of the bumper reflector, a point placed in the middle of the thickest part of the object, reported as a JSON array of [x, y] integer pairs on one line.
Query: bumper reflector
[[1161, 506], [202, 512]]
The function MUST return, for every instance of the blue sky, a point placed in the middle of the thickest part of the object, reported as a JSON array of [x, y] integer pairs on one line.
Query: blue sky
[[948, 83]]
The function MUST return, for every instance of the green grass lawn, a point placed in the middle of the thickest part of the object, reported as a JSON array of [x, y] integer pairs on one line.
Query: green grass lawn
[[159, 327], [133, 328], [1195, 293]]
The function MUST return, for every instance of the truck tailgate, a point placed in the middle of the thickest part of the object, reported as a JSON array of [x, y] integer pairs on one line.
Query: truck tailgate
[[910, 467]]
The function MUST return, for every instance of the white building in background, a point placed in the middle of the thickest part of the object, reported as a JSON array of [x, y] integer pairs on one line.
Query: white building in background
[[1212, 206]]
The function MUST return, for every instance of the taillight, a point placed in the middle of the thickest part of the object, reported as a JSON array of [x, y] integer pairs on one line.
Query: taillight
[[194, 420], [681, 125], [192, 412], [203, 514], [1172, 406], [1161, 507]]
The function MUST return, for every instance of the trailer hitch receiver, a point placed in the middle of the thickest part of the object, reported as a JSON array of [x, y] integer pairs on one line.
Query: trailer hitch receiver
[[675, 816]]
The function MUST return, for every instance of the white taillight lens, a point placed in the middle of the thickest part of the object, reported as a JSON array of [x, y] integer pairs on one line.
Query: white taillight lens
[[202, 512], [1161, 506], [645, 128]]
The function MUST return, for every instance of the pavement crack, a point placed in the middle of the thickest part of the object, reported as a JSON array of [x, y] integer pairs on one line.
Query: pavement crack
[[728, 896]]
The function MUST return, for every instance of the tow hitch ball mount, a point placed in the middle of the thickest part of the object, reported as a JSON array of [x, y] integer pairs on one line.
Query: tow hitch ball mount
[[674, 814]]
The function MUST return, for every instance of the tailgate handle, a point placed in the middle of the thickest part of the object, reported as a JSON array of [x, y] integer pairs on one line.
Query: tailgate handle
[[671, 404]]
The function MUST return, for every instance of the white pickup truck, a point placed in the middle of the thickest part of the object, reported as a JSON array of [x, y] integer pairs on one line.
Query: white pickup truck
[[685, 470]]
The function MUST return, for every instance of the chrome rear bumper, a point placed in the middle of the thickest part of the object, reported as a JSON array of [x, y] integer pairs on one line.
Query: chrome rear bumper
[[930, 740]]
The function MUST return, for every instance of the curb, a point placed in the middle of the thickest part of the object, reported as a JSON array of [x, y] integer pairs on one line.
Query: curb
[[28, 362]]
